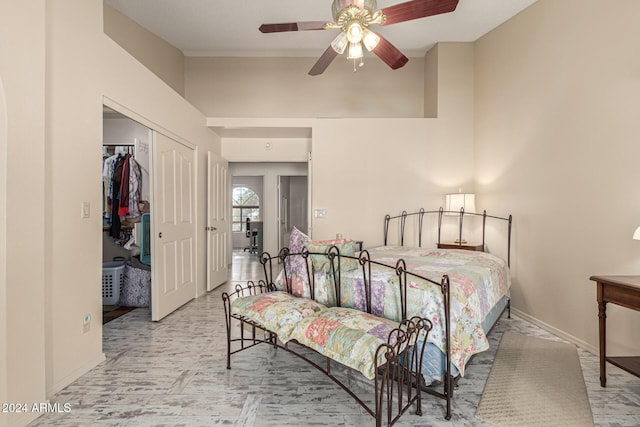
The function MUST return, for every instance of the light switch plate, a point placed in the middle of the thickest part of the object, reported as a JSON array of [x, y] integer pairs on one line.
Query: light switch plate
[[85, 210]]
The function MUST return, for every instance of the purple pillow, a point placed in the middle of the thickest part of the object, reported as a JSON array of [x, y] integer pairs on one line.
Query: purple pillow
[[297, 265]]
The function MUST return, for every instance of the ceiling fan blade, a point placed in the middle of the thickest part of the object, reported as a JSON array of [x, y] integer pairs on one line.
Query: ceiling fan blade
[[417, 9], [323, 62], [292, 26], [389, 54]]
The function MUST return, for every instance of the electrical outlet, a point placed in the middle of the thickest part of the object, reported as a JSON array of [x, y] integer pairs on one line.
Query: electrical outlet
[[86, 323]]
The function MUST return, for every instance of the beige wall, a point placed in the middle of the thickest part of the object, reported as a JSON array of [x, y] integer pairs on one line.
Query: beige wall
[[390, 164], [431, 83], [163, 59], [74, 111], [396, 164], [280, 87], [557, 127], [22, 171], [386, 166], [52, 165], [3, 246]]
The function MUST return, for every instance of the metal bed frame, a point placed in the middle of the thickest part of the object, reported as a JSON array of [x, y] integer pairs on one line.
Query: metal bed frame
[[402, 218], [449, 382]]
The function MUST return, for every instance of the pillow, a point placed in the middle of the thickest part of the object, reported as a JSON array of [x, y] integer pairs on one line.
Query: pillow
[[321, 262], [297, 240], [297, 265]]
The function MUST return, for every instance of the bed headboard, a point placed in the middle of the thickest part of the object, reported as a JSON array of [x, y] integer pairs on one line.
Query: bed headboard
[[402, 218]]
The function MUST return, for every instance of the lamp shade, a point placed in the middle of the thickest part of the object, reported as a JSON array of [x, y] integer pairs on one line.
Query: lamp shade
[[454, 202], [636, 234]]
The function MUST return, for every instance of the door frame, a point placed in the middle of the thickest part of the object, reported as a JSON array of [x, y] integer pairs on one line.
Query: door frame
[[154, 127]]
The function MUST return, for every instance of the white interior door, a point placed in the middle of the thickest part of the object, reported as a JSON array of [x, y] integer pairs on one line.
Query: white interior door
[[218, 232], [173, 226], [283, 210]]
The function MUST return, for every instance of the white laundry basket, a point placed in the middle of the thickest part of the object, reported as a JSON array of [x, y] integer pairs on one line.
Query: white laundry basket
[[112, 280]]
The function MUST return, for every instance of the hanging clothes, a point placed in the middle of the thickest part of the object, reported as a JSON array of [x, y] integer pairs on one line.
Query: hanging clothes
[[115, 197], [123, 203], [107, 185], [122, 189], [135, 188]]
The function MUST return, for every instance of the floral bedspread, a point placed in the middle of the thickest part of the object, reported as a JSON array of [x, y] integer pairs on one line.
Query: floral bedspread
[[478, 281]]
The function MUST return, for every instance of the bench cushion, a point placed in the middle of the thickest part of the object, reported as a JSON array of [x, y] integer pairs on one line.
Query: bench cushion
[[346, 335], [277, 311], [322, 263]]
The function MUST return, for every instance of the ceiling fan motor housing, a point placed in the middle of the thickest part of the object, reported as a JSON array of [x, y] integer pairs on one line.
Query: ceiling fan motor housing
[[340, 5]]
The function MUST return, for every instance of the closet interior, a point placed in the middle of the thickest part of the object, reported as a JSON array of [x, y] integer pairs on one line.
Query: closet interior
[[126, 215]]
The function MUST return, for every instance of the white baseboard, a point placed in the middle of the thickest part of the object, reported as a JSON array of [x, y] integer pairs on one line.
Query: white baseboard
[[557, 332], [75, 374]]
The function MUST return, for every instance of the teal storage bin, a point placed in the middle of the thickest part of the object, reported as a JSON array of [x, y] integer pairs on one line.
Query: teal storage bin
[[145, 245]]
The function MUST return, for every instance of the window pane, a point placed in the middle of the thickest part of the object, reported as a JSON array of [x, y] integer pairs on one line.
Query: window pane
[[252, 213], [246, 204], [245, 196], [236, 214]]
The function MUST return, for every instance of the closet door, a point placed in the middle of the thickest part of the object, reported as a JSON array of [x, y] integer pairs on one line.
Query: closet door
[[218, 232], [173, 222]]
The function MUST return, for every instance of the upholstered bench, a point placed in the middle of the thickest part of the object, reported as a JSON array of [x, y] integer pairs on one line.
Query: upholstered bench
[[381, 349]]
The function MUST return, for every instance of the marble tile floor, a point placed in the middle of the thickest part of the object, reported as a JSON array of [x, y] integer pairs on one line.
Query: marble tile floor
[[173, 373]]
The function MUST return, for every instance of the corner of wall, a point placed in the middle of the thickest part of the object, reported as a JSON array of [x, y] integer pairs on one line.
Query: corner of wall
[[431, 83], [163, 59], [456, 80]]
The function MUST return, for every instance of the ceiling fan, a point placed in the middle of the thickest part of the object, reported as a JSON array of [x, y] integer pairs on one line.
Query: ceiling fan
[[353, 18]]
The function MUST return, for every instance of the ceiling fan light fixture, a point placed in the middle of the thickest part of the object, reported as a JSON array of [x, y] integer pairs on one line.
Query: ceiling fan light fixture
[[370, 39], [339, 44], [355, 51], [355, 32]]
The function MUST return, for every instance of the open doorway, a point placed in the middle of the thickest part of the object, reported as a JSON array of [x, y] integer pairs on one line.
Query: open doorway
[[269, 178], [292, 209], [246, 214], [126, 210]]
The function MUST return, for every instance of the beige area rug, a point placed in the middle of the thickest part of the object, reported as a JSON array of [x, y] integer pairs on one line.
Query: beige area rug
[[535, 382]]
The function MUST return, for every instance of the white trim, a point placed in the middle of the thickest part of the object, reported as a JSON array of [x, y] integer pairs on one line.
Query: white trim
[[557, 332], [114, 105], [75, 374]]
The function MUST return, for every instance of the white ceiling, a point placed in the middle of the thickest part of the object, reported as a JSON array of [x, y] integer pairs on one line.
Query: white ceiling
[[230, 27]]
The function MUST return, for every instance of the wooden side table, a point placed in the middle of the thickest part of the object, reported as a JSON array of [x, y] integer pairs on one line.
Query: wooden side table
[[465, 246], [623, 291]]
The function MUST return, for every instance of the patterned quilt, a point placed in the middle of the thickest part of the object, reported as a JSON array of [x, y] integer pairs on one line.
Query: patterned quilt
[[478, 281]]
